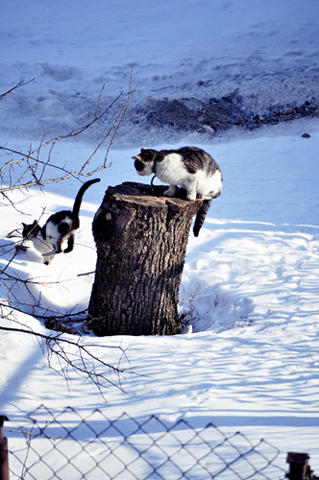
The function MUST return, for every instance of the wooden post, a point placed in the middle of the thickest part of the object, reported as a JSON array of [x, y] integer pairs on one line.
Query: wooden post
[[4, 460], [141, 239], [299, 467]]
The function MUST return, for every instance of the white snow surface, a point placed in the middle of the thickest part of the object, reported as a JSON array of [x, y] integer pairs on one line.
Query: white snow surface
[[250, 278]]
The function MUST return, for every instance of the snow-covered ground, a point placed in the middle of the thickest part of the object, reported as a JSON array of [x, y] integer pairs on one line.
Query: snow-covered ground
[[265, 52], [250, 278]]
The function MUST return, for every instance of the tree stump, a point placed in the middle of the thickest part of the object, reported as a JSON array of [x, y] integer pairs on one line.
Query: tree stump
[[141, 239]]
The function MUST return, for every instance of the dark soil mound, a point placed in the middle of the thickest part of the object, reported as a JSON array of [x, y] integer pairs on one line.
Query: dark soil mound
[[215, 115]]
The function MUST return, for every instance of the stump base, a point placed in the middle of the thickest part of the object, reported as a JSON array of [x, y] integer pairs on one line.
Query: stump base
[[141, 239]]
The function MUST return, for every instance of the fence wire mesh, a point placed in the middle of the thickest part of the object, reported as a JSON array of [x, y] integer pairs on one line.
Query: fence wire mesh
[[70, 446]]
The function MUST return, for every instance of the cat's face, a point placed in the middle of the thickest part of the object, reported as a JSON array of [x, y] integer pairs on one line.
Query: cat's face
[[30, 230], [144, 161]]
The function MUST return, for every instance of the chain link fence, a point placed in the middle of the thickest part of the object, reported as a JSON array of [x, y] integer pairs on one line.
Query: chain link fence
[[69, 445]]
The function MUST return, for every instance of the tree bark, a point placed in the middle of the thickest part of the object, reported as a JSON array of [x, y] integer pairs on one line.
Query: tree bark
[[141, 239]]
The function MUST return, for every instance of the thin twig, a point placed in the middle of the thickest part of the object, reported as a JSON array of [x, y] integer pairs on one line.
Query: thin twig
[[27, 170], [18, 85], [68, 360], [33, 155]]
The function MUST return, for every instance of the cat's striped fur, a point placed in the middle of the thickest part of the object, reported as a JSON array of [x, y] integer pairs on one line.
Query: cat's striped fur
[[189, 167]]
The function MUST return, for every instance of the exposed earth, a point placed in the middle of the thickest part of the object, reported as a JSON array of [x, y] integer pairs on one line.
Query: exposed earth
[[214, 116]]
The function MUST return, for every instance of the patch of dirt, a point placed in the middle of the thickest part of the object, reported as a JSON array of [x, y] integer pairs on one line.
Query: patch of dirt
[[215, 115]]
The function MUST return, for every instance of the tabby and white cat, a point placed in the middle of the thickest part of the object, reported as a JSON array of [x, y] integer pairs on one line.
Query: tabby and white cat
[[189, 167], [59, 227]]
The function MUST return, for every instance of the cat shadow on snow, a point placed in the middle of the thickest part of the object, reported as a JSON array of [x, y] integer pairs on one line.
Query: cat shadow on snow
[[40, 291]]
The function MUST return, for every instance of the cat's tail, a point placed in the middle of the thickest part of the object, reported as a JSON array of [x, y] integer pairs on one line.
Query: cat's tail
[[79, 197], [201, 215]]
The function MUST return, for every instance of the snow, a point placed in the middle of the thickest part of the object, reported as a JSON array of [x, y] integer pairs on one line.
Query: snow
[[250, 279]]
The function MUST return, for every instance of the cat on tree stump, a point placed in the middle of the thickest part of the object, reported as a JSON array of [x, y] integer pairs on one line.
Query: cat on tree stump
[[189, 167]]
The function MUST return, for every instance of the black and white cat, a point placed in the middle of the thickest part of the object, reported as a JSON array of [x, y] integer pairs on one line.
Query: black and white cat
[[60, 226], [189, 167]]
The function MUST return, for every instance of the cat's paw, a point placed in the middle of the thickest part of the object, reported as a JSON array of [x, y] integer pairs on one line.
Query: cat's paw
[[48, 254], [168, 193], [191, 197]]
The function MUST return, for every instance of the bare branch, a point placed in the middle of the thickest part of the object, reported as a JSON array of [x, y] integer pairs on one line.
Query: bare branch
[[18, 85], [34, 168], [82, 361], [50, 314], [24, 170]]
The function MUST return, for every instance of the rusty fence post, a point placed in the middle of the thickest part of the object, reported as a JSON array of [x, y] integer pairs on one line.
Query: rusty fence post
[[299, 467], [4, 459]]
